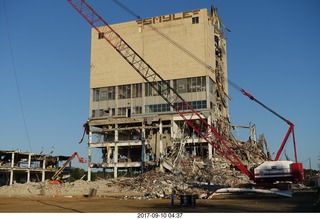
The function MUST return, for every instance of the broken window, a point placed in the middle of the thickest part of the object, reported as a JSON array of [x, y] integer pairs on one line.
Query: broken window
[[124, 91], [109, 112], [154, 88], [136, 90], [180, 85], [196, 84]]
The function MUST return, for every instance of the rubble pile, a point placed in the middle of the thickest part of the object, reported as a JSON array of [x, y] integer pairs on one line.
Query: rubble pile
[[217, 170], [162, 185], [149, 185]]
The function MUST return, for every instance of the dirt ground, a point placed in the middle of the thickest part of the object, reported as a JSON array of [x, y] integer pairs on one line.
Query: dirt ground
[[300, 202]]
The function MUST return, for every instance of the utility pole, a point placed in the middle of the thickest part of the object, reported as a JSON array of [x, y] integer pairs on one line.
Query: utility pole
[[319, 163], [310, 167]]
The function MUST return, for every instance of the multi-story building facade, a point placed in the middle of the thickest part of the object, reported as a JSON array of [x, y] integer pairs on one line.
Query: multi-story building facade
[[130, 125]]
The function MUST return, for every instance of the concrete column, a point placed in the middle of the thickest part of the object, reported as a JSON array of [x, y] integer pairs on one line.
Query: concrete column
[[115, 171], [160, 145], [143, 148], [43, 169], [115, 160], [160, 139], [11, 171], [29, 166], [115, 152]]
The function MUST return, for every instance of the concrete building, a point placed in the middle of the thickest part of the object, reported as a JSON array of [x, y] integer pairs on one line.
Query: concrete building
[[23, 167], [130, 125]]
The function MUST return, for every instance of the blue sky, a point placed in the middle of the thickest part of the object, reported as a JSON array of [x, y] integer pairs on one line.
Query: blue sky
[[273, 52]]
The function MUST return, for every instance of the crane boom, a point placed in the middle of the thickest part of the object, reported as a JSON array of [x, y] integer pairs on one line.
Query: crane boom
[[210, 134], [290, 130]]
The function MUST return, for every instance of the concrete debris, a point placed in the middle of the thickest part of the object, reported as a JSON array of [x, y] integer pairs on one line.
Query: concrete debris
[[217, 170], [149, 185]]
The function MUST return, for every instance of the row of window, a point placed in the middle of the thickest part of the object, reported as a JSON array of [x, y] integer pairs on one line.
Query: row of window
[[186, 85], [154, 108]]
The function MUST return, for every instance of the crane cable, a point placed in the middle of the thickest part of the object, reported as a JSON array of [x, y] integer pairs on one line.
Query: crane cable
[[15, 76]]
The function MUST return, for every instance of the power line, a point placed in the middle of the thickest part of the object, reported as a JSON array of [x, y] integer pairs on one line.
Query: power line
[[15, 76]]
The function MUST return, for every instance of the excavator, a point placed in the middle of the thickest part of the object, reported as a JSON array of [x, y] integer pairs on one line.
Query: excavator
[[56, 178], [268, 172]]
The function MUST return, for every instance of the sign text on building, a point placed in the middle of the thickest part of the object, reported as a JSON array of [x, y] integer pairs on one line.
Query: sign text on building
[[166, 18]]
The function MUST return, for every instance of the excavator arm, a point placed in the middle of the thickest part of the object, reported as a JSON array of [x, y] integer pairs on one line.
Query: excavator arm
[[59, 171]]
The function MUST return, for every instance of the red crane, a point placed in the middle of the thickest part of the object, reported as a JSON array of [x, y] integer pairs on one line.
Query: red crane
[[183, 108]]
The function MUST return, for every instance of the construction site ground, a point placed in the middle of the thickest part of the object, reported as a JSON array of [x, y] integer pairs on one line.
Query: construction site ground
[[120, 197], [301, 202]]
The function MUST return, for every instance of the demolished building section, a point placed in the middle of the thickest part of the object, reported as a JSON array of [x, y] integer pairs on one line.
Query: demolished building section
[[23, 167], [133, 128]]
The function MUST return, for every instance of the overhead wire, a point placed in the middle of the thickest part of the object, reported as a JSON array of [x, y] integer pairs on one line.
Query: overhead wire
[[16, 76]]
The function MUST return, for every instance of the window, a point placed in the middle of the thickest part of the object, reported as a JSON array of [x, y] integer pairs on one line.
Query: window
[[195, 20], [187, 85], [124, 91], [157, 108], [211, 85], [100, 35], [136, 90], [197, 84], [111, 93], [96, 94], [122, 111], [93, 113], [109, 112], [201, 104], [154, 88], [137, 110], [180, 85], [107, 93], [101, 112], [104, 93]]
